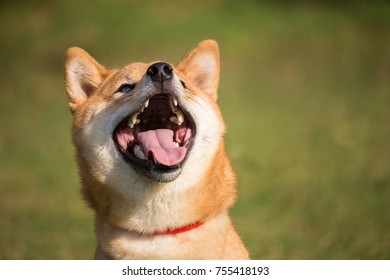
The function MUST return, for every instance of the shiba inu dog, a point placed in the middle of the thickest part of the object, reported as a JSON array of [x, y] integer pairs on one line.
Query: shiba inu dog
[[151, 156]]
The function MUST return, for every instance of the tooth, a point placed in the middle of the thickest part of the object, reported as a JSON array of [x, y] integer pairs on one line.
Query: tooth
[[133, 120], [180, 117], [172, 105], [138, 152], [176, 144], [145, 105], [173, 119], [130, 123]]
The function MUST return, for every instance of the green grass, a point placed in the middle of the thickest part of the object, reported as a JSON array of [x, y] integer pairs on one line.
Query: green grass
[[305, 91]]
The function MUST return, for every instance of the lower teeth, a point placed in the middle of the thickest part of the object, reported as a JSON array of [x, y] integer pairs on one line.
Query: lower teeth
[[138, 152]]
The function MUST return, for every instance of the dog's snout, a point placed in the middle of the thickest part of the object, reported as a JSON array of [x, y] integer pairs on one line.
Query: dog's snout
[[160, 72]]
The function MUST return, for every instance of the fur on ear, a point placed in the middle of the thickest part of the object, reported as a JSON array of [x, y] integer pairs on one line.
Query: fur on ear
[[201, 66], [83, 74]]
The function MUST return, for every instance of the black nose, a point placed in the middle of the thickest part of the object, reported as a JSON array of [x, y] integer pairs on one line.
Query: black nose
[[160, 72]]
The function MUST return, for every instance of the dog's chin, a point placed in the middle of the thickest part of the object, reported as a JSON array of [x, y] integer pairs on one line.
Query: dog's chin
[[156, 139], [158, 175]]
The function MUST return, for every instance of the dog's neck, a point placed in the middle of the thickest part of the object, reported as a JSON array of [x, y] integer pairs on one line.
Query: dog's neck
[[216, 233], [168, 231], [180, 229]]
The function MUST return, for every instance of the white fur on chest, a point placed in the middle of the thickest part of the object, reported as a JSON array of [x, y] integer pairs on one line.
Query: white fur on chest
[[194, 244]]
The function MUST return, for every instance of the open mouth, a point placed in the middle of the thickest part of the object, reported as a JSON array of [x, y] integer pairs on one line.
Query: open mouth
[[156, 138]]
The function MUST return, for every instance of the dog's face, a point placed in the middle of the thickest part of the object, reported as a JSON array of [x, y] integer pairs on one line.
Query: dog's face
[[146, 123]]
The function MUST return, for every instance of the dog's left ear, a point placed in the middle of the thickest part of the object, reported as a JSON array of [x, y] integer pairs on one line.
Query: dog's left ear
[[83, 75], [201, 66]]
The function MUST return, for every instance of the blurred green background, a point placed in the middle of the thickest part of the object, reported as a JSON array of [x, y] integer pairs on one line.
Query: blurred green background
[[305, 92]]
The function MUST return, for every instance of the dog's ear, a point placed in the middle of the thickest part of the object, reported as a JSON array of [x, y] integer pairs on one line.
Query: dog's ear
[[201, 66], [83, 74]]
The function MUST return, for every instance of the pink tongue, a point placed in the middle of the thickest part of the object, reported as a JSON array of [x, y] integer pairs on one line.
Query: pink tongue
[[159, 142]]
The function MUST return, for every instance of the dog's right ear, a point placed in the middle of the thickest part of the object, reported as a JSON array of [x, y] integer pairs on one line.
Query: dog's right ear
[[83, 74]]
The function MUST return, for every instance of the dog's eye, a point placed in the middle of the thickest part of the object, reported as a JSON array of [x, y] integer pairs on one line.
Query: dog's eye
[[125, 88]]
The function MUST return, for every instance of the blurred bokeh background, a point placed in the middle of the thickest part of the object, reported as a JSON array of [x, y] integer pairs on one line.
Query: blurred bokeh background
[[305, 92]]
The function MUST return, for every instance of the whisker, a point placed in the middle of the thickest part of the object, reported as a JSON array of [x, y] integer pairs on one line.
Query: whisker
[[210, 141], [101, 148]]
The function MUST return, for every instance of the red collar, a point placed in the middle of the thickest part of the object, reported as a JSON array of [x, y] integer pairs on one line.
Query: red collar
[[179, 230]]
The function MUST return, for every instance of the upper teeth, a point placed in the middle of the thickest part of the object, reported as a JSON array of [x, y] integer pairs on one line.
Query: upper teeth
[[178, 119], [145, 105], [133, 120]]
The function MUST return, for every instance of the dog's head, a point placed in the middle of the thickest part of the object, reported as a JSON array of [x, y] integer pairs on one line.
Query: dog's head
[[145, 121], [149, 139]]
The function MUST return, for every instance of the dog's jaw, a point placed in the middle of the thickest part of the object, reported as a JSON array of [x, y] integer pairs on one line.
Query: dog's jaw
[[157, 138]]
